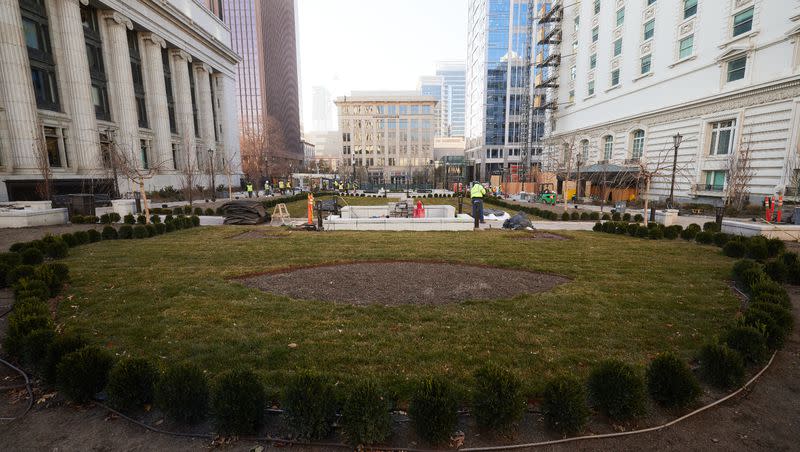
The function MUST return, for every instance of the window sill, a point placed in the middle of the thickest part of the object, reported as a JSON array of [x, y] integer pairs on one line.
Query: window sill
[[683, 60], [618, 85], [648, 40], [589, 97], [737, 38], [649, 74]]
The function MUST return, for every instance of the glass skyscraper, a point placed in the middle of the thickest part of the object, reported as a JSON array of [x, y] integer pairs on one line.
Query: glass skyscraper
[[496, 86], [453, 76]]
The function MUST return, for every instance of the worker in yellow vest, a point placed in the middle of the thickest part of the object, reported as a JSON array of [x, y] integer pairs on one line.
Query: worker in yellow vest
[[281, 187], [249, 189], [289, 186], [477, 193]]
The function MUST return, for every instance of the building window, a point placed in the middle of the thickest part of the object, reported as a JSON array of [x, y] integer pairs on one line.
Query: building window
[[722, 134], [591, 88], [638, 144], [575, 46], [577, 23], [615, 77], [608, 147], [585, 150], [620, 16], [53, 144], [595, 33], [645, 68], [689, 8], [650, 2], [194, 101], [592, 61], [714, 181], [597, 6], [138, 80], [686, 46], [649, 29], [572, 95], [36, 31], [573, 71], [743, 22], [346, 136], [618, 47], [174, 156], [144, 147], [736, 69], [97, 70]]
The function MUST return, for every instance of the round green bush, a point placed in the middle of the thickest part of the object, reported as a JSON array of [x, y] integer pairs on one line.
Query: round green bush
[[105, 219], [497, 398], [161, 228], [83, 373], [777, 271], [434, 410], [182, 393], [632, 228], [617, 389], [672, 232], [704, 238], [195, 220], [126, 232], [670, 382], [711, 226], [626, 217], [310, 405], [775, 247], [238, 402], [574, 216], [62, 345], [151, 230], [197, 211], [69, 239], [656, 234], [82, 237], [170, 227], [53, 275], [94, 235], [19, 272], [789, 258], [747, 272], [689, 233], [756, 248], [606, 217], [770, 291], [365, 414], [110, 233], [565, 216], [638, 218], [140, 232], [721, 366], [598, 227], [564, 405], [21, 323], [695, 227], [749, 342], [721, 238], [594, 216], [35, 346], [620, 228], [141, 219], [32, 256], [115, 218], [131, 384], [782, 316], [129, 219], [31, 287], [584, 216], [155, 219], [734, 248], [209, 212], [616, 216], [10, 259], [763, 322]]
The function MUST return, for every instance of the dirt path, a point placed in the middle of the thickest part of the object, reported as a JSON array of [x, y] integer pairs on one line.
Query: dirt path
[[767, 418]]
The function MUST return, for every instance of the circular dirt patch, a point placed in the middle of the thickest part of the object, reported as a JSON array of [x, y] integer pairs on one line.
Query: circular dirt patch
[[398, 283], [541, 236]]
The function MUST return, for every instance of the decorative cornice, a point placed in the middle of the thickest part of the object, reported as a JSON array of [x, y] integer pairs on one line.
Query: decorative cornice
[[178, 53], [202, 66], [155, 39], [118, 18]]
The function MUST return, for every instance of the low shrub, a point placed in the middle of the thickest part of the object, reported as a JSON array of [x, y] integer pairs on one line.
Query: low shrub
[[57, 248], [82, 237], [310, 405], [69, 239], [670, 382], [209, 212], [195, 220], [151, 230], [598, 227], [789, 258], [721, 366], [775, 247], [170, 227], [31, 287], [734, 248], [114, 216], [21, 323], [756, 248], [160, 228], [638, 218], [704, 238], [777, 271], [632, 228], [19, 272], [131, 384], [105, 218], [141, 219], [129, 219], [749, 342], [53, 276], [626, 217], [656, 234], [574, 216], [747, 272], [711, 226], [62, 345], [76, 219], [782, 316], [125, 232], [497, 398], [620, 228], [32, 256], [695, 227], [594, 216], [91, 219], [763, 322], [615, 216], [238, 403], [83, 373], [770, 291], [140, 232], [434, 410], [606, 217], [584, 216], [94, 235], [617, 389], [643, 232], [182, 393], [565, 216], [672, 232], [721, 238], [365, 414], [564, 405], [35, 346], [689, 234], [110, 233]]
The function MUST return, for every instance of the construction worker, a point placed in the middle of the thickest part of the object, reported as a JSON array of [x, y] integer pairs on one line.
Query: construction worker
[[266, 188], [249, 189], [281, 187], [477, 193], [289, 186]]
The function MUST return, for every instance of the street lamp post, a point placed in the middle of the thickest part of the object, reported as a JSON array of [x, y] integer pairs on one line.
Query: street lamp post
[[213, 180], [676, 141]]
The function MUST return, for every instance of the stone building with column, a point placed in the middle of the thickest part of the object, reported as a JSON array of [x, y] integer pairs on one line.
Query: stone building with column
[[82, 81]]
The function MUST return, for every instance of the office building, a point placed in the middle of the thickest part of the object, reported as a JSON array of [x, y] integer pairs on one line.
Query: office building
[[327, 149], [322, 116], [88, 86], [452, 108]]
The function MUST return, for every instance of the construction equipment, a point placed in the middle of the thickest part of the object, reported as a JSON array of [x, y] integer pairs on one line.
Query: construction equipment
[[244, 212], [280, 216]]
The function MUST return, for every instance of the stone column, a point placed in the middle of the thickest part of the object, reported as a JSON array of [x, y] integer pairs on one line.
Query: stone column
[[157, 99], [183, 108], [205, 105], [17, 90], [120, 83], [78, 90]]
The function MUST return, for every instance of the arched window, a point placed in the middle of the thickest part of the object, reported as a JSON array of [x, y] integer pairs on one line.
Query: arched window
[[638, 144], [608, 147], [585, 150]]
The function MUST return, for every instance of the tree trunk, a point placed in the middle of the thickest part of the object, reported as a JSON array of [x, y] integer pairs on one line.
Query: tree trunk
[[144, 201], [646, 200]]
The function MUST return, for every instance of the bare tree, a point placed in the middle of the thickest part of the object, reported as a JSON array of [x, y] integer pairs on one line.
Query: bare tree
[[654, 168], [230, 165], [253, 144], [130, 166], [188, 170], [45, 187], [739, 167]]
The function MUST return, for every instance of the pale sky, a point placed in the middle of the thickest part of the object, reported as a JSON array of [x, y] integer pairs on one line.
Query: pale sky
[[357, 45]]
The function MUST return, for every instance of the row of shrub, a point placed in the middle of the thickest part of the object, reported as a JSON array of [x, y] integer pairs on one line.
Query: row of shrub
[[566, 216]]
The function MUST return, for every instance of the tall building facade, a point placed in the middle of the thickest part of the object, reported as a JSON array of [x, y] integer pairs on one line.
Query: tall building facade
[[87, 88], [322, 117], [453, 75], [264, 33], [497, 86], [725, 75], [387, 135], [433, 86]]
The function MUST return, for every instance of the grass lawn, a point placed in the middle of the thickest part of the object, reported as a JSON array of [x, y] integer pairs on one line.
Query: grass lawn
[[169, 298]]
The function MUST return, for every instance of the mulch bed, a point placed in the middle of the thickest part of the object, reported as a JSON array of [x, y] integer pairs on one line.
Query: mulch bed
[[255, 235], [541, 236], [400, 283]]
